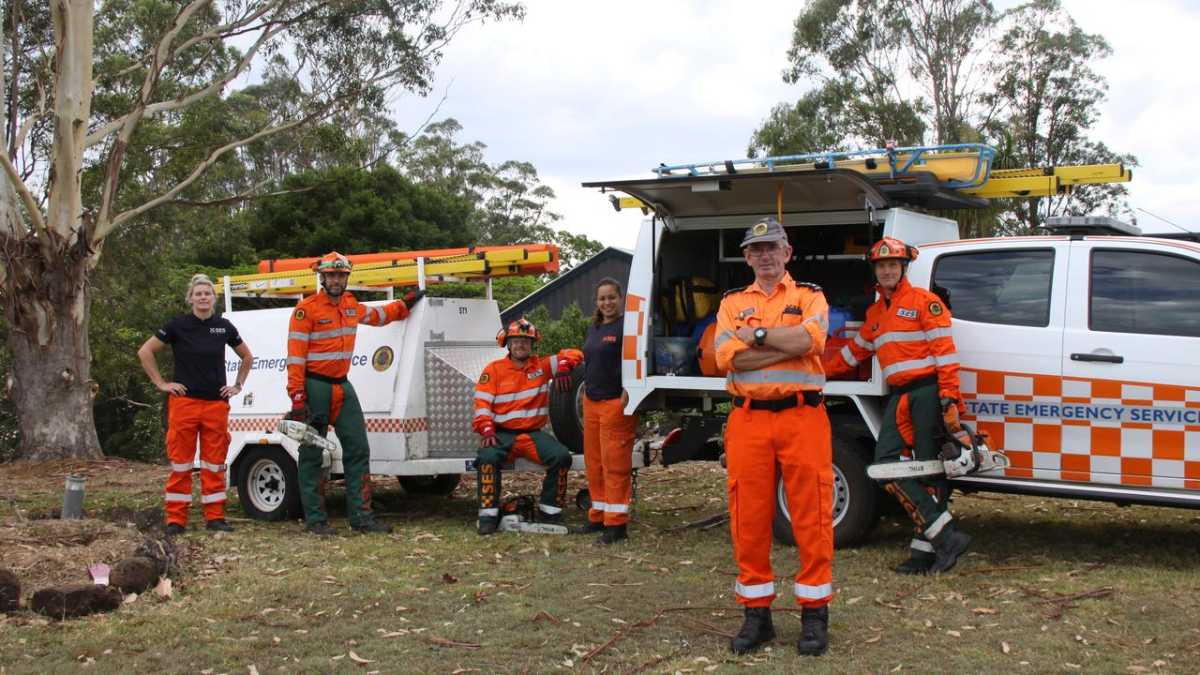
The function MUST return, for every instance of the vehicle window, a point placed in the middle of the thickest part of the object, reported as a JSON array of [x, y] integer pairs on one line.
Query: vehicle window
[[1007, 287], [1141, 292]]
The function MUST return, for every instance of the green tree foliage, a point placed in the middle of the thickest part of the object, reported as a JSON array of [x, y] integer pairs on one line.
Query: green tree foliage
[[356, 210], [944, 72], [568, 331]]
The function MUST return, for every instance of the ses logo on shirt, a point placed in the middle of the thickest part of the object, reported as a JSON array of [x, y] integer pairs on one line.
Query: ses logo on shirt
[[217, 330]]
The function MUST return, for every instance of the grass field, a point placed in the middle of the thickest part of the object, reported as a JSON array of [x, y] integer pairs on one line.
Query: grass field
[[1049, 586]]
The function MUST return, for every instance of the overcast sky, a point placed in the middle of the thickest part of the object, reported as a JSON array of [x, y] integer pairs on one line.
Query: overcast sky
[[609, 90]]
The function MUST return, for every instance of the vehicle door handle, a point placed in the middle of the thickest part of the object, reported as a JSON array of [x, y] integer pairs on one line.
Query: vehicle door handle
[[1102, 358]]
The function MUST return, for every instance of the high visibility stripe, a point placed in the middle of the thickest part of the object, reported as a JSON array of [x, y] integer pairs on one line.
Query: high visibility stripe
[[755, 590], [901, 366], [215, 468], [329, 356], [336, 332], [617, 508], [900, 336], [379, 314], [483, 412], [177, 497], [600, 506], [858, 340], [297, 335], [484, 396], [521, 414], [213, 498], [943, 360], [296, 360], [546, 508], [489, 513], [521, 395], [181, 468], [812, 592], [822, 321], [777, 377], [936, 526], [723, 337], [921, 545], [938, 333], [849, 356]]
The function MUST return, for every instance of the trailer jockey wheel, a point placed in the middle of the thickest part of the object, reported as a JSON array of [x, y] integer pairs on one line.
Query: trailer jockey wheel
[[583, 500]]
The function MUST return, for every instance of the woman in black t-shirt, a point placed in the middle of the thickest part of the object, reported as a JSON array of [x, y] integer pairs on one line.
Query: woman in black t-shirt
[[197, 402], [608, 433]]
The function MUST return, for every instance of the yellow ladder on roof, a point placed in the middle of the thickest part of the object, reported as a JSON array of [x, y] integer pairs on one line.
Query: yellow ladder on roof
[[1048, 182], [380, 276]]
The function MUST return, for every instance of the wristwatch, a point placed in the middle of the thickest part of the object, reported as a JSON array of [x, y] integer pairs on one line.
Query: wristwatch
[[760, 336]]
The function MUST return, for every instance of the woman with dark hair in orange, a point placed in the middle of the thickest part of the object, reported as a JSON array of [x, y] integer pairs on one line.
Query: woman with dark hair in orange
[[608, 433]]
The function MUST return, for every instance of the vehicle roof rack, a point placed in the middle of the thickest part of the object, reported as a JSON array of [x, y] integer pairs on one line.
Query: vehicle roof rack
[[1084, 225]]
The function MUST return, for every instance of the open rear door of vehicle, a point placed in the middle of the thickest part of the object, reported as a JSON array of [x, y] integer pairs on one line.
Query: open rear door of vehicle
[[750, 194]]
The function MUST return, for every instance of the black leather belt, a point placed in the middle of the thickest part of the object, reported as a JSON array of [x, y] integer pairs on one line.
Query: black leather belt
[[809, 398]]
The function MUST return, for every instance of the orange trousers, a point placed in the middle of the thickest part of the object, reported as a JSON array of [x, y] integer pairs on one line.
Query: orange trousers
[[758, 445], [187, 420], [608, 435]]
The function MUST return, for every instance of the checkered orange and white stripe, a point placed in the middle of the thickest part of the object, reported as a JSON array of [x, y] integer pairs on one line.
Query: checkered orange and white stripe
[[1088, 430], [375, 425]]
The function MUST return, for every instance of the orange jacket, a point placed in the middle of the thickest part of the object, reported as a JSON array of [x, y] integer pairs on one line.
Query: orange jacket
[[910, 333], [790, 304], [321, 335], [518, 397]]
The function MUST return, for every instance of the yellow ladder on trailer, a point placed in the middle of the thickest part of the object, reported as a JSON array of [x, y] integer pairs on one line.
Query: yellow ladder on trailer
[[380, 276], [1048, 182]]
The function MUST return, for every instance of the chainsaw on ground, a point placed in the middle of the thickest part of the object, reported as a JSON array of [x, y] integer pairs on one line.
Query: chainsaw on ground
[[964, 452], [303, 434], [518, 516]]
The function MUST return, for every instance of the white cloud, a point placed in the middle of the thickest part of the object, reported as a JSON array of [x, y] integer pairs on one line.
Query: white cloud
[[590, 91]]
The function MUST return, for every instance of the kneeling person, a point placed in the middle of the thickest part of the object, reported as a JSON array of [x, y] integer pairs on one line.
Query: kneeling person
[[512, 404]]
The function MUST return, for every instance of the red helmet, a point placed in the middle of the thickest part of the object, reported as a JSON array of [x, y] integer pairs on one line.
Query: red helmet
[[519, 328], [333, 262], [890, 248]]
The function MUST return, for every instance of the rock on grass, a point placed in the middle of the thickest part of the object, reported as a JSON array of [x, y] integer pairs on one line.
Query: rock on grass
[[65, 602]]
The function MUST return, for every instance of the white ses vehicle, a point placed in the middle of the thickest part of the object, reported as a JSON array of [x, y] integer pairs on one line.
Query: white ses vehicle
[[415, 378], [1080, 350]]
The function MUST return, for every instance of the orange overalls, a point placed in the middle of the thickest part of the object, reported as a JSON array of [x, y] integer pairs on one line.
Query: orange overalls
[[910, 333], [794, 440], [188, 419]]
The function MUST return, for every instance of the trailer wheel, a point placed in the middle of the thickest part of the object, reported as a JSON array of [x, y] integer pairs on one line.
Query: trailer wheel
[[854, 501], [268, 484], [440, 485], [566, 413]]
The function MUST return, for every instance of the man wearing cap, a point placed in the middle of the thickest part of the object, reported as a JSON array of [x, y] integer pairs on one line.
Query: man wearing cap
[[320, 345], [770, 336]]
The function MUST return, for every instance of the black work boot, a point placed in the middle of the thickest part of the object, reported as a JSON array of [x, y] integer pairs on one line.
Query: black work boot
[[814, 631], [612, 534], [550, 518], [756, 631], [488, 525], [590, 528], [918, 562], [948, 546], [321, 528], [372, 527], [218, 525], [174, 529]]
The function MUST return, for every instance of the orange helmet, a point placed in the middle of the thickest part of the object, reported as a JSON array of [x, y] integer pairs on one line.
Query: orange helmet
[[333, 262], [519, 328], [890, 248]]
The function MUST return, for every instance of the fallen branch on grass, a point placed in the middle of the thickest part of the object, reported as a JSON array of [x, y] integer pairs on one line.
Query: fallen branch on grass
[[706, 627], [443, 642], [989, 570], [1061, 603], [703, 524]]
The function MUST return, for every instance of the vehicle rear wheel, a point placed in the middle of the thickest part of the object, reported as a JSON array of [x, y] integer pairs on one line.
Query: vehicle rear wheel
[[268, 484], [855, 500], [441, 484], [566, 413]]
